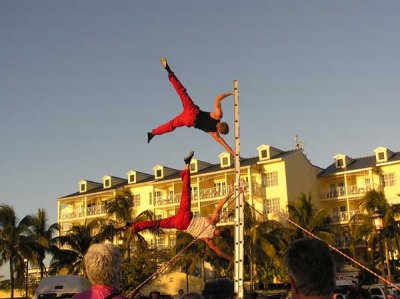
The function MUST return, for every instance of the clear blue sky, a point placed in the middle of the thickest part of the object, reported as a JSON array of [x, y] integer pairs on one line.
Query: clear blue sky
[[81, 84]]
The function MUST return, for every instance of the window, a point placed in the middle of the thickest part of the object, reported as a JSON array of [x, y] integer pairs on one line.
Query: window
[[271, 205], [270, 179], [83, 187], [219, 188], [136, 200], [225, 161], [264, 154], [150, 198], [193, 167], [388, 179], [381, 156], [160, 241], [131, 178], [158, 173], [340, 163], [107, 183]]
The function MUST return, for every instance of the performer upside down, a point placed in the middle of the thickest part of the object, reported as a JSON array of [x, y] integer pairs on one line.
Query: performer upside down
[[203, 228], [192, 116]]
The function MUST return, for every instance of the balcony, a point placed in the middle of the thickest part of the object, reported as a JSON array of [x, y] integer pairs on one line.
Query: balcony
[[96, 210], [343, 216], [352, 190]]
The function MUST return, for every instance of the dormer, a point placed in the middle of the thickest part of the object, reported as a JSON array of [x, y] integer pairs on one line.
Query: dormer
[[111, 181], [161, 172], [382, 154], [85, 186], [136, 176], [342, 161], [197, 165], [225, 160], [267, 152]]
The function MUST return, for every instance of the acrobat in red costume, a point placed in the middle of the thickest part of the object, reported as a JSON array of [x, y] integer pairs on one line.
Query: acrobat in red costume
[[192, 116], [203, 228]]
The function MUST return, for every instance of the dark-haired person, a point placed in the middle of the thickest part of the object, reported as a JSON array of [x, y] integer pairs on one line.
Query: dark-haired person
[[204, 228], [192, 116], [311, 269]]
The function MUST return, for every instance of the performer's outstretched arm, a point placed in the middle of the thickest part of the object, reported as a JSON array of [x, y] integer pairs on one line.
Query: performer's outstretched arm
[[217, 113], [217, 211], [221, 141], [218, 251]]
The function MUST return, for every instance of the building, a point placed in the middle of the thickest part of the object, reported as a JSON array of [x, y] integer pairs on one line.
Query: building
[[273, 178]]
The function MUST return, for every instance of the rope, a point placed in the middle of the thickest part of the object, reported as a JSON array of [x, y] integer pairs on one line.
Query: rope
[[168, 263], [333, 248], [341, 253]]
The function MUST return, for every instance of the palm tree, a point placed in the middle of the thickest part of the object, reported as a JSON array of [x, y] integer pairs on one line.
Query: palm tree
[[41, 234], [264, 242], [14, 243], [303, 212], [361, 224], [123, 208], [69, 250], [191, 258]]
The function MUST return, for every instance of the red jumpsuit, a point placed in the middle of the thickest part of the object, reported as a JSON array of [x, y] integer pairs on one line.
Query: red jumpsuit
[[182, 218], [188, 116]]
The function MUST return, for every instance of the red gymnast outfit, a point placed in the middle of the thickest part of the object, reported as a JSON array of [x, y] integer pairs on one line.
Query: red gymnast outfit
[[182, 218], [191, 115]]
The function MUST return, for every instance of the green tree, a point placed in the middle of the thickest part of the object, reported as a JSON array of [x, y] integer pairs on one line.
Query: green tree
[[303, 212], [15, 244], [41, 234], [361, 226], [69, 250], [123, 208], [264, 242]]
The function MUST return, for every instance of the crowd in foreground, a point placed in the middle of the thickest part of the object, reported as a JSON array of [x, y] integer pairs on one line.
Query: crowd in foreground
[[309, 262]]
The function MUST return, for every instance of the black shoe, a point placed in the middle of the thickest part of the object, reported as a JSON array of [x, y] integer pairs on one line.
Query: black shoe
[[149, 136], [189, 157]]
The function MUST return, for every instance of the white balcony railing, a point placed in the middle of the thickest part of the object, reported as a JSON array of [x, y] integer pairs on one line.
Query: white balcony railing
[[343, 216], [343, 191]]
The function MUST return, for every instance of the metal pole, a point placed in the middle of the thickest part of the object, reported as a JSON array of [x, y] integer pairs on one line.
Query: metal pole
[[239, 217], [26, 277], [385, 290]]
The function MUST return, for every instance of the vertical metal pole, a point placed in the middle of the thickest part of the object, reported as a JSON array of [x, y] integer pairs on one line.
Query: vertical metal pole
[[239, 217]]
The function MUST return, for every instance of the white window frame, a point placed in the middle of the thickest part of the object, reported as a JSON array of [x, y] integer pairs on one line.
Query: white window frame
[[271, 179], [272, 205], [389, 179]]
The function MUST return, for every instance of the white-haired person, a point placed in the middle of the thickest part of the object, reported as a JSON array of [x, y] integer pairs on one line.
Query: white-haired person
[[103, 268]]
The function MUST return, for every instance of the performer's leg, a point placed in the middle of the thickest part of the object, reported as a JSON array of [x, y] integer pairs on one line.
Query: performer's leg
[[162, 223], [178, 121], [184, 212], [186, 100]]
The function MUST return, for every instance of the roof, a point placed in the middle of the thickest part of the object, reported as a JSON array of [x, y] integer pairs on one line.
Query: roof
[[244, 162], [357, 164]]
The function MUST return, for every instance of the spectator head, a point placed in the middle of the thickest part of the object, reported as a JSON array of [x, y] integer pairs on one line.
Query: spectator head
[[192, 295], [103, 264], [310, 267]]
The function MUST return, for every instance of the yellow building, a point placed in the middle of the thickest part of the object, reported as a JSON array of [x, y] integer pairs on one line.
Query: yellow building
[[344, 183], [273, 178]]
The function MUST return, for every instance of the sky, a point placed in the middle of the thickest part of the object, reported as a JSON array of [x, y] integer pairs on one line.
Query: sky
[[81, 85]]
